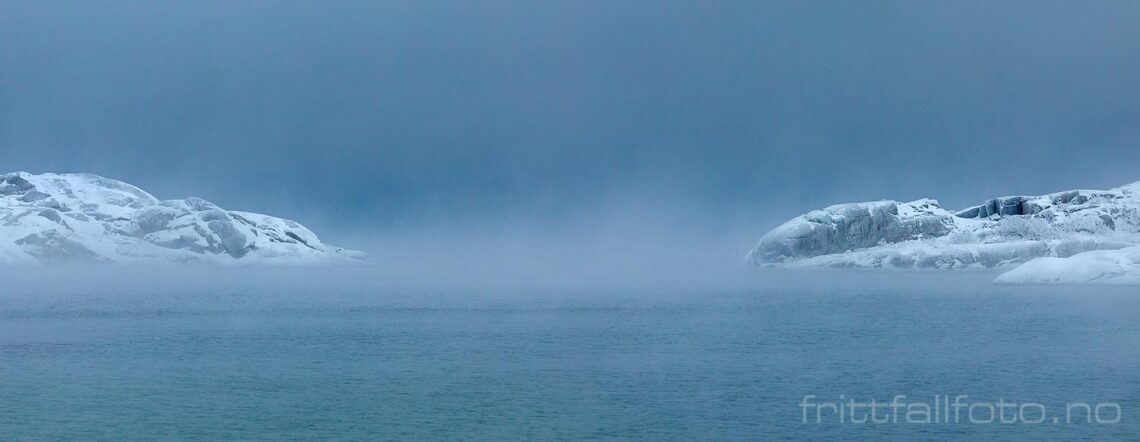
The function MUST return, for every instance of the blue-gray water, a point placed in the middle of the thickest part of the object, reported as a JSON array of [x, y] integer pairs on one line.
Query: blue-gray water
[[698, 365]]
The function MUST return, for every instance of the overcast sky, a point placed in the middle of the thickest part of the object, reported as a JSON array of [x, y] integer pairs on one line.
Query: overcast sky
[[376, 116]]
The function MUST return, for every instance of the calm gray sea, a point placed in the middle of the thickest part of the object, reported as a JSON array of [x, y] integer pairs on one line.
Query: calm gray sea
[[692, 365]]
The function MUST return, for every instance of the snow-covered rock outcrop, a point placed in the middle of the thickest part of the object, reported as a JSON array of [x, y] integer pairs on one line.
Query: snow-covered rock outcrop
[[57, 218], [923, 235]]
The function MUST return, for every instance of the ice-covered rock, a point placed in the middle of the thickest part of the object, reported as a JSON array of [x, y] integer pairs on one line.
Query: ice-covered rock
[[54, 218], [847, 227], [923, 235]]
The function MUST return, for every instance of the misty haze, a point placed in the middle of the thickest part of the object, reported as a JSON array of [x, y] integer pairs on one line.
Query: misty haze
[[518, 220]]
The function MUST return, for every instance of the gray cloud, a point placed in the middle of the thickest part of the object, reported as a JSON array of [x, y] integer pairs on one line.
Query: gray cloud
[[379, 116]]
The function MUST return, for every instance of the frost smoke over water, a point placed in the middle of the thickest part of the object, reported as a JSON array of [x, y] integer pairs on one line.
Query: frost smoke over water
[[569, 142]]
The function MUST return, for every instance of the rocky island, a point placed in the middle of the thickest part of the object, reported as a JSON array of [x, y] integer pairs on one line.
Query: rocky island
[[84, 218], [1076, 236]]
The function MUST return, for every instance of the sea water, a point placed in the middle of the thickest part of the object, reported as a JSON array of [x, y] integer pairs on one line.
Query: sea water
[[694, 365]]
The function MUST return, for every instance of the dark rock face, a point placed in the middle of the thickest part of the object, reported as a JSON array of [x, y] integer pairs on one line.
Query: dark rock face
[[1007, 206], [34, 196], [14, 184], [51, 247], [1025, 205]]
